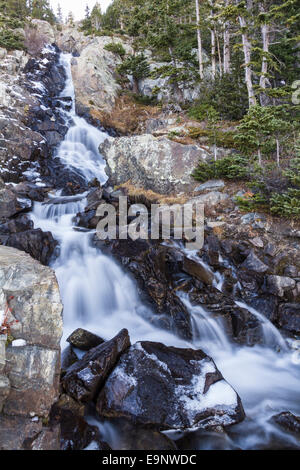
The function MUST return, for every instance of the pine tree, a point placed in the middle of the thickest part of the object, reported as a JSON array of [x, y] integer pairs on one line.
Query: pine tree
[[70, 18], [96, 17], [87, 12], [59, 15]]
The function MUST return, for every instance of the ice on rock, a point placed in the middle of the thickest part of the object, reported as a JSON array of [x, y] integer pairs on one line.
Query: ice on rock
[[170, 388]]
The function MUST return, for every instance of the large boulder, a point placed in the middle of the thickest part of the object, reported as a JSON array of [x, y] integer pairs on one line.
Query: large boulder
[[46, 31], [40, 245], [93, 68], [84, 379], [32, 368], [169, 388], [288, 422], [159, 164], [10, 205], [279, 285], [84, 340]]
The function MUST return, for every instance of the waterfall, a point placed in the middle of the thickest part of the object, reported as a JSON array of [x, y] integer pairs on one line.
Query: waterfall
[[99, 296], [79, 150]]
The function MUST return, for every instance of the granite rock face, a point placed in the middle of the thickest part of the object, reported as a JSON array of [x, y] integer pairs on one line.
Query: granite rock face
[[31, 312], [159, 164]]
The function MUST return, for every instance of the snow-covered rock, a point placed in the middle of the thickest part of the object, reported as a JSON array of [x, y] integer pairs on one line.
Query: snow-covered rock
[[169, 388]]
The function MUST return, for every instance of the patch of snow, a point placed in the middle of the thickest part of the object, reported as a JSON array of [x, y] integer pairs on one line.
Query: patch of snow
[[153, 357], [92, 446], [18, 343], [220, 396]]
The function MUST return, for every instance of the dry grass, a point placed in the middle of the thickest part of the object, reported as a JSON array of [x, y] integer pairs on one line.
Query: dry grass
[[126, 116], [148, 197]]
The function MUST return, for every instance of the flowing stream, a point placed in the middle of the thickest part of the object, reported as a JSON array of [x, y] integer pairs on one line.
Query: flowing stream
[[100, 297]]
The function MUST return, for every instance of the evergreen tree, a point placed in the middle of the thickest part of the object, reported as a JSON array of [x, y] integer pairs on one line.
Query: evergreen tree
[[70, 18], [59, 15], [96, 17], [87, 12]]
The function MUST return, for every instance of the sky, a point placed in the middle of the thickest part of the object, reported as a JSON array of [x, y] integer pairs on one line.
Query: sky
[[77, 6]]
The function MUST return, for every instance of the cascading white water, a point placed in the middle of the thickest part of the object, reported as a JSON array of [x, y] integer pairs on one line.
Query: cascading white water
[[79, 150], [100, 297]]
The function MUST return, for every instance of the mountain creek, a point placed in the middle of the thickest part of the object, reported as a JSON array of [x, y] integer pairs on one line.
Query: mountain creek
[[123, 344]]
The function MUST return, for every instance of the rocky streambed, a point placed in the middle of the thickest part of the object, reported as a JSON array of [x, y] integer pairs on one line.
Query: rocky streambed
[[204, 358]]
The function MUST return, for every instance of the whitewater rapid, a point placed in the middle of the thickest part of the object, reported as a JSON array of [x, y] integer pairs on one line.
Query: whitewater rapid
[[99, 296]]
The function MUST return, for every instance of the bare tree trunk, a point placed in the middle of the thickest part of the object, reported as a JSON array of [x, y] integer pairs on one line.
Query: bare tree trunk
[[265, 33], [135, 86], [200, 58], [247, 46], [278, 152], [219, 55], [215, 152], [264, 65], [259, 157], [226, 37], [213, 53]]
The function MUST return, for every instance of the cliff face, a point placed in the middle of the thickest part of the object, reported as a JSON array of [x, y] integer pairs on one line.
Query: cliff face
[[30, 359]]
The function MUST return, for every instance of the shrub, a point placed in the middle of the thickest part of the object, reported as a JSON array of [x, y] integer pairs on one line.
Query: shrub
[[251, 202], [11, 40], [201, 112], [116, 48], [226, 95], [286, 204], [293, 173], [232, 167]]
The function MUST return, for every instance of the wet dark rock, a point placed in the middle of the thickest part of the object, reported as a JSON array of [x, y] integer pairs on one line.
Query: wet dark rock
[[53, 138], [288, 422], [279, 285], [75, 432], [10, 205], [135, 437], [271, 249], [289, 317], [84, 379], [94, 198], [265, 304], [38, 244], [206, 440], [213, 250], [291, 271], [240, 324], [253, 263], [30, 191], [68, 358], [154, 266], [198, 270], [169, 388], [84, 340], [87, 219], [19, 224]]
